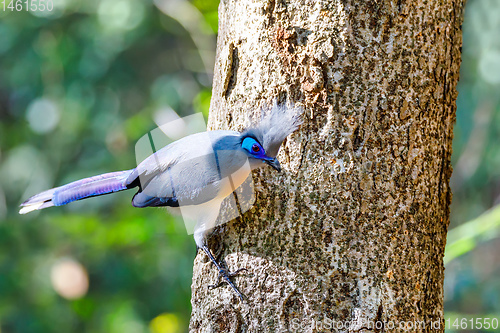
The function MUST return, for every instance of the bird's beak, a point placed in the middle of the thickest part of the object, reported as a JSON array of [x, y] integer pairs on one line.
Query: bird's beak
[[273, 163]]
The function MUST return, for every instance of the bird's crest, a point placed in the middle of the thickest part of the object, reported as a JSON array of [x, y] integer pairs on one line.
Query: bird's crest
[[276, 123]]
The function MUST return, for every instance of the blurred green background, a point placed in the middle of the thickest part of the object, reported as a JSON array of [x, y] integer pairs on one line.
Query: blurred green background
[[81, 84]]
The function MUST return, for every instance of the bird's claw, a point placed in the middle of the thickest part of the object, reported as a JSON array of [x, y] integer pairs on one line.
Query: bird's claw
[[236, 272], [214, 286]]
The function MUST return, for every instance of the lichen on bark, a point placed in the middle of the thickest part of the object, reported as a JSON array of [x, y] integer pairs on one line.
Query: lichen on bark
[[352, 232]]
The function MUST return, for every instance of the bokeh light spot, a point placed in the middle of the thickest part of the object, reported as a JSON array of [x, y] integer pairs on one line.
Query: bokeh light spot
[[489, 66], [43, 115], [69, 279], [165, 323], [120, 15]]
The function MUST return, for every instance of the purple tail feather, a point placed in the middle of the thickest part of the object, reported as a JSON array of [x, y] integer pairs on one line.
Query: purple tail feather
[[80, 189]]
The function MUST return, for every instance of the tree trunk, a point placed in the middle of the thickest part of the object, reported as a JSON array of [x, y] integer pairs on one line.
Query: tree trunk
[[350, 236]]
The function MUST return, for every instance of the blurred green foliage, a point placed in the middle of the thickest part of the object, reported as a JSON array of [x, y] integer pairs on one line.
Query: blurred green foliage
[[81, 84], [78, 87]]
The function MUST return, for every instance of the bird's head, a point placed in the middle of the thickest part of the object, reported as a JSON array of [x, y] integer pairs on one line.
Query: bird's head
[[255, 151], [262, 142]]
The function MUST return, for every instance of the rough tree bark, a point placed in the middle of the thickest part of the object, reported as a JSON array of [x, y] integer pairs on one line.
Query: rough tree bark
[[352, 234]]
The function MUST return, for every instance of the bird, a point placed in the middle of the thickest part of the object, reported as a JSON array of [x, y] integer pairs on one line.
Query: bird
[[193, 174]]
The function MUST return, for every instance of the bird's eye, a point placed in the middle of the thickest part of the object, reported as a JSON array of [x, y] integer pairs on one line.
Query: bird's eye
[[252, 146]]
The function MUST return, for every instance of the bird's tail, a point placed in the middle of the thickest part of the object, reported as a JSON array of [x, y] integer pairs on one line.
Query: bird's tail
[[80, 189]]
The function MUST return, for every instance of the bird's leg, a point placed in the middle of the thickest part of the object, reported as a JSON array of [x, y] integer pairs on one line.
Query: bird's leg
[[223, 273]]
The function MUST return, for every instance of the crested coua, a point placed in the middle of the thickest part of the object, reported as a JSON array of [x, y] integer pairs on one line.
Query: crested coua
[[189, 173]]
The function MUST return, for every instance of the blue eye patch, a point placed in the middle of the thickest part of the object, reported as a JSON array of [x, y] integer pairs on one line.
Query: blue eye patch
[[253, 147]]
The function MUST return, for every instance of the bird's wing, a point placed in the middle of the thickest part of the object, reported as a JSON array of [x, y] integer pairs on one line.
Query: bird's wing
[[185, 172]]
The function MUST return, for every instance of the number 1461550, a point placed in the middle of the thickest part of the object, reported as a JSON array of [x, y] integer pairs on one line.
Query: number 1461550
[[27, 5]]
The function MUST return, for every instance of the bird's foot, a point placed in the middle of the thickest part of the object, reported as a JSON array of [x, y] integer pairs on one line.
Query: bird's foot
[[225, 274]]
